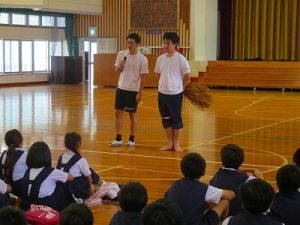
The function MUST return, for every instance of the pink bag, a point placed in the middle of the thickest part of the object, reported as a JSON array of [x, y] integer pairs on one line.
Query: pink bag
[[41, 215]]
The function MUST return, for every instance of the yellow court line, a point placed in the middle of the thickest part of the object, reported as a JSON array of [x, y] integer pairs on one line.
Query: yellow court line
[[255, 102]]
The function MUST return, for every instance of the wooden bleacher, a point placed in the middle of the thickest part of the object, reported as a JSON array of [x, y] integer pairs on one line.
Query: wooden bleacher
[[256, 74]]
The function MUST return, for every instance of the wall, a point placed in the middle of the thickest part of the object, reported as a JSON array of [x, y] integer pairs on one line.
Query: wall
[[114, 23], [72, 6]]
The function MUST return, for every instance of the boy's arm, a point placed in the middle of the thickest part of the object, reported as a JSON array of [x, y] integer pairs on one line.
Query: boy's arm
[[254, 171], [228, 195]]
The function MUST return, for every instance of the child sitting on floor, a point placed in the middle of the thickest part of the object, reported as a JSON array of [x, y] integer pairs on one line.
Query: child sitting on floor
[[72, 162], [133, 198]]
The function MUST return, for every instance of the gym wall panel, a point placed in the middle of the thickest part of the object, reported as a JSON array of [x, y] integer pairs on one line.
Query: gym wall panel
[[114, 22]]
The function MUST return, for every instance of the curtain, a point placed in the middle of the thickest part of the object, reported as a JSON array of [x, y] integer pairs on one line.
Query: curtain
[[69, 33], [225, 15], [266, 29]]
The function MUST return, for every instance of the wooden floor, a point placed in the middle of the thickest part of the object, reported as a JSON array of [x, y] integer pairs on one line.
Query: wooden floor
[[266, 124]]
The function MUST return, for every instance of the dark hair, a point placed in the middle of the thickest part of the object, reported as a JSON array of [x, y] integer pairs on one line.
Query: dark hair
[[71, 141], [288, 178], [162, 212], [12, 216], [256, 195], [13, 139], [193, 165], [296, 157], [172, 36], [133, 197], [232, 156], [39, 155], [135, 37], [76, 214]]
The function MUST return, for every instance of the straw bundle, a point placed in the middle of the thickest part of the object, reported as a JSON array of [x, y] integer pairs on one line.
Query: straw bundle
[[197, 96]]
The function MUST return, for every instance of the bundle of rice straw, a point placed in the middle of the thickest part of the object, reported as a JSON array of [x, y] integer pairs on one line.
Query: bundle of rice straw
[[197, 96]]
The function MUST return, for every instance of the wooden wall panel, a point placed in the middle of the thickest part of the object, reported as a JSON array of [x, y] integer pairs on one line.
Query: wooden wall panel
[[114, 23]]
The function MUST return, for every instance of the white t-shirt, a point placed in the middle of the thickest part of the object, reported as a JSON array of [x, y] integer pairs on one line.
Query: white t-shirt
[[213, 194], [81, 167], [172, 70], [131, 73], [49, 184], [20, 166], [3, 187]]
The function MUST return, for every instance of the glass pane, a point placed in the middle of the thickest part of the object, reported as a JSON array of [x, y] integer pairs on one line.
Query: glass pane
[[93, 50], [40, 56], [86, 46], [61, 21], [48, 21], [34, 20], [26, 56], [18, 19], [55, 50], [15, 56], [11, 52], [4, 18], [7, 60], [1, 56]]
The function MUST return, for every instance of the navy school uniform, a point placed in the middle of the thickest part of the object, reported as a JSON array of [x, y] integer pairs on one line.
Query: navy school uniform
[[230, 179], [15, 185], [80, 187], [190, 196], [247, 218], [58, 200], [126, 218], [4, 197], [286, 208]]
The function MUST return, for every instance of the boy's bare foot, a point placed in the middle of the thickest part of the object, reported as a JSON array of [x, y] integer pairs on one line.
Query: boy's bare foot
[[178, 149], [167, 148]]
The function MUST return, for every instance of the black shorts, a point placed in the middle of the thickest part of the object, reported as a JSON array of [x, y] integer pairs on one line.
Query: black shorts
[[126, 100], [211, 217]]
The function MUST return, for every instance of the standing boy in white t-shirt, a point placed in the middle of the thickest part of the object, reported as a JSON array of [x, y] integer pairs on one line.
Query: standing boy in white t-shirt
[[133, 66], [173, 71]]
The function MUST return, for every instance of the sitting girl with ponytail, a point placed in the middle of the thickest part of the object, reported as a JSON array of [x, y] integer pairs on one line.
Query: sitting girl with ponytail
[[13, 161], [72, 162]]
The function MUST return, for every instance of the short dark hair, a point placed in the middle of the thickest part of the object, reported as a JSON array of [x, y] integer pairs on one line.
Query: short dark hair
[[39, 155], [133, 197], [256, 195], [193, 165], [135, 37], [71, 141], [296, 157], [12, 216], [162, 212], [172, 36], [288, 178], [76, 214], [232, 156]]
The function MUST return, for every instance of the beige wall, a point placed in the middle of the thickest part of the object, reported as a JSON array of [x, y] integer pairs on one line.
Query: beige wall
[[92, 7], [27, 33]]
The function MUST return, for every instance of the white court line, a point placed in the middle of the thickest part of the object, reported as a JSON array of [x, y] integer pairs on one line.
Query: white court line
[[255, 102]]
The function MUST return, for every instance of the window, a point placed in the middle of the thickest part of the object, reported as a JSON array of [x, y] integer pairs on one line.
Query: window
[[4, 18], [18, 19], [34, 20], [48, 21], [40, 55], [54, 49], [61, 22], [11, 53], [1, 56], [26, 56]]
